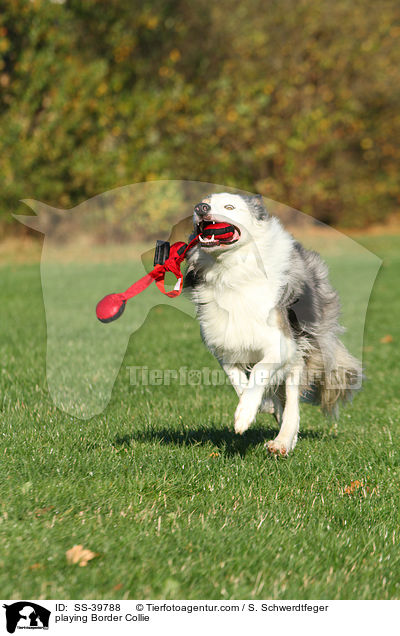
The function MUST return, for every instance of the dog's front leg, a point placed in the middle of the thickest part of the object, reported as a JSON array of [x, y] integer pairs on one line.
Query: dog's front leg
[[261, 376], [236, 375], [287, 437]]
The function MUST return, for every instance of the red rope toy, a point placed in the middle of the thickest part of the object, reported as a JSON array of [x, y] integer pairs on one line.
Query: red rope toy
[[167, 259]]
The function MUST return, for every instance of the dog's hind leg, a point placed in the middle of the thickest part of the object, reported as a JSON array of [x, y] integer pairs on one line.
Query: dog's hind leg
[[287, 437], [272, 404]]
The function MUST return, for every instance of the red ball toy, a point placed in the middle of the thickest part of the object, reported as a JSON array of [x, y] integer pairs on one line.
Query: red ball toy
[[110, 307]]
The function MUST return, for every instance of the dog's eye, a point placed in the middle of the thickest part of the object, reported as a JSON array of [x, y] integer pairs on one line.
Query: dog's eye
[[229, 207]]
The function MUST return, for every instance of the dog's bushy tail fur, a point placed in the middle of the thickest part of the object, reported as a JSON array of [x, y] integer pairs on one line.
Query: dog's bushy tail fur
[[334, 380], [332, 374]]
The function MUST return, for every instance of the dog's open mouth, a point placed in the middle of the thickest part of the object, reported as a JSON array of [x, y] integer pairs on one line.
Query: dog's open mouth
[[215, 233]]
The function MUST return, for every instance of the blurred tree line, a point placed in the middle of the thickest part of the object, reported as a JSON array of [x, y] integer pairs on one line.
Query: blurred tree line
[[295, 99]]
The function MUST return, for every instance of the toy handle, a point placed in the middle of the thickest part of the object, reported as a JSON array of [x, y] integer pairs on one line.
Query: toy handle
[[174, 292]]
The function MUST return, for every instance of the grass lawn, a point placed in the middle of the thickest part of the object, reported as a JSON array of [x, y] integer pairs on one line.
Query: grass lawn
[[175, 505]]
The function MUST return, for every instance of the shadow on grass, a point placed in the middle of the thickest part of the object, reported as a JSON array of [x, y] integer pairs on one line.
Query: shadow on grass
[[225, 440]]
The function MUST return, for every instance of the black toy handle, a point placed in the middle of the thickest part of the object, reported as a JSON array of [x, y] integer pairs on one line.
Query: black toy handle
[[162, 252]]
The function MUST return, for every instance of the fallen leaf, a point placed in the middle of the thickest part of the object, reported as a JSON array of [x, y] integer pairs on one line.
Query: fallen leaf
[[117, 587], [214, 454], [386, 339], [42, 511], [354, 485], [78, 555], [35, 566]]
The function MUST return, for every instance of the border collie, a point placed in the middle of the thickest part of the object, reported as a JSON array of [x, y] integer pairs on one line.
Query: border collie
[[269, 315]]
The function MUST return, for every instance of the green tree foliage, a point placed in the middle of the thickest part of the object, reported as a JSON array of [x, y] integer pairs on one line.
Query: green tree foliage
[[298, 100]]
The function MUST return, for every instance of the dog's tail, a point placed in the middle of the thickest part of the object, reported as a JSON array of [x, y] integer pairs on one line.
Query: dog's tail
[[334, 377]]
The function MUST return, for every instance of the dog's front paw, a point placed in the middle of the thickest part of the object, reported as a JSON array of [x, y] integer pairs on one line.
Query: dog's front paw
[[276, 447], [244, 416]]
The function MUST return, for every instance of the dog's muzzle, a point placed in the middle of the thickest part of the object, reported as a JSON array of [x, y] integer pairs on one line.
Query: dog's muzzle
[[202, 209]]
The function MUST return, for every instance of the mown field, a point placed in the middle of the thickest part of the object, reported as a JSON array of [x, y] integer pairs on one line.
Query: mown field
[[174, 505]]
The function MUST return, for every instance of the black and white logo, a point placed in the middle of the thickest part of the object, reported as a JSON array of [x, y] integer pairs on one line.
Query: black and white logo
[[26, 615]]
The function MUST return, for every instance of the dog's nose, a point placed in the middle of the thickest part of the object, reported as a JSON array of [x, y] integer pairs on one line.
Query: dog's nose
[[202, 209]]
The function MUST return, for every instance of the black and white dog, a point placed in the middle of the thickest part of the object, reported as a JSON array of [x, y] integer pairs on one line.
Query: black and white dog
[[269, 315]]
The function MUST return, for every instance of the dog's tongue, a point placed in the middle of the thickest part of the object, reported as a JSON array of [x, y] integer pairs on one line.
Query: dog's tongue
[[221, 231]]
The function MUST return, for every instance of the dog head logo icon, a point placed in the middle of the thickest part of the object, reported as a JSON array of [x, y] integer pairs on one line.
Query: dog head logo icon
[[26, 615]]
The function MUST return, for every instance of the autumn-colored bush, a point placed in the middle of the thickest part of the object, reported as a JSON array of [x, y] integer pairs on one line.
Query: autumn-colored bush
[[298, 100]]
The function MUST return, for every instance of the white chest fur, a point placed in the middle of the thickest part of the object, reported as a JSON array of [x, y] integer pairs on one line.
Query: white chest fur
[[236, 310]]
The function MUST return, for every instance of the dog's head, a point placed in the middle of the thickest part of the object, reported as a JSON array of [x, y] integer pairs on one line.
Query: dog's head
[[244, 212]]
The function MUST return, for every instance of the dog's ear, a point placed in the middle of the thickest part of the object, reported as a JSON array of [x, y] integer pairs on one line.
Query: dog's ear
[[261, 210], [256, 204]]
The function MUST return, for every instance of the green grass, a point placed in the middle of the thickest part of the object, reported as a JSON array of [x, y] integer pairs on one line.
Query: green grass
[[173, 503]]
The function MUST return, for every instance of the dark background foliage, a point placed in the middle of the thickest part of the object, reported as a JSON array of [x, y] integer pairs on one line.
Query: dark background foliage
[[297, 100]]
